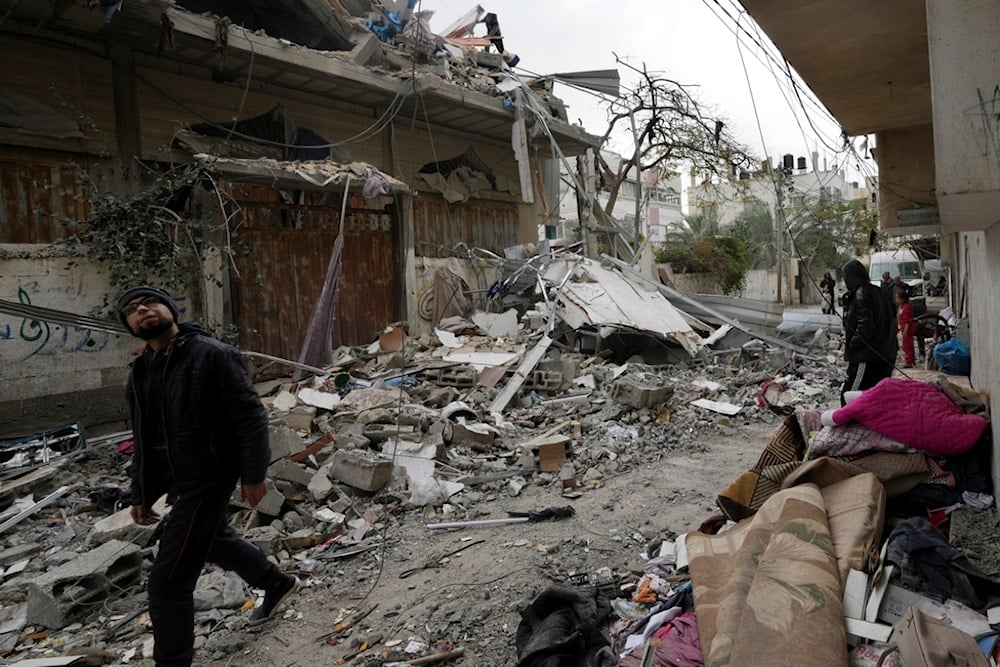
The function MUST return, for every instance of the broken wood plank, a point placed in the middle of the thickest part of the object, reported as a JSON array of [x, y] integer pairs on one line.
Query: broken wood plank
[[436, 657], [312, 448], [531, 360]]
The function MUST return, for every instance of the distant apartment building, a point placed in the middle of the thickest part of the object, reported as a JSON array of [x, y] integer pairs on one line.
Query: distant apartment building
[[659, 204], [798, 182]]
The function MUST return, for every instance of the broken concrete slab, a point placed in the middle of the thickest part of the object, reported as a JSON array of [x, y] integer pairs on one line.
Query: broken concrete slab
[[120, 526], [69, 592], [270, 505], [478, 436], [319, 484], [287, 470], [299, 418], [284, 442], [497, 325], [17, 553], [717, 406], [264, 538], [319, 399], [360, 470], [638, 394]]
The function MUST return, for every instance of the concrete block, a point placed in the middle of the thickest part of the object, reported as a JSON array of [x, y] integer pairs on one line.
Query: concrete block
[[290, 472], [636, 394], [320, 485], [284, 442], [360, 469], [299, 418], [270, 505], [67, 593], [119, 526], [489, 60]]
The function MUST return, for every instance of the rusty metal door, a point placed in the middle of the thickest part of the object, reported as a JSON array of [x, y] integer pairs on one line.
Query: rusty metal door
[[282, 253], [40, 197]]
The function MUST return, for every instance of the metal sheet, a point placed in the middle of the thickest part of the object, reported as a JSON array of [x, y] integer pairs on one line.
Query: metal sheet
[[38, 197], [605, 297], [439, 226]]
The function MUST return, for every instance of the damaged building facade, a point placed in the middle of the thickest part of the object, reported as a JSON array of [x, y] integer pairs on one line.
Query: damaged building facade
[[308, 126]]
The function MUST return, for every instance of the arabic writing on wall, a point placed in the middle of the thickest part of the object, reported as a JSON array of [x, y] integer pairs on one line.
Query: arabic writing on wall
[[46, 342]]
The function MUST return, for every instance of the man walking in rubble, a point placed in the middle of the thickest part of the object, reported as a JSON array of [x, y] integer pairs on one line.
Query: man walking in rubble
[[199, 428], [869, 334]]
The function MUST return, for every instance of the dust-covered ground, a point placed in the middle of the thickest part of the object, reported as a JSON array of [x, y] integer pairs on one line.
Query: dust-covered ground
[[471, 600]]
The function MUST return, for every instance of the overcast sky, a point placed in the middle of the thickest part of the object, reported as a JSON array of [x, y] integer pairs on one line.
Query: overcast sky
[[683, 39]]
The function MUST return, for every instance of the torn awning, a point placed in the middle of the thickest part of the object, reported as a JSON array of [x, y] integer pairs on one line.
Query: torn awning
[[599, 296], [313, 175]]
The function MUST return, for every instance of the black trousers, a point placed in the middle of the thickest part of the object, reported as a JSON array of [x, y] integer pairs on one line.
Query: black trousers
[[194, 532], [864, 375]]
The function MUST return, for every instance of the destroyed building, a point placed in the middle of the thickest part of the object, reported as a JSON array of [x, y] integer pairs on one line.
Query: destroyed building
[[306, 120], [459, 418]]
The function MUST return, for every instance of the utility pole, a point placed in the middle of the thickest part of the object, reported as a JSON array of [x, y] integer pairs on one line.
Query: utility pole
[[638, 182], [784, 180], [585, 203]]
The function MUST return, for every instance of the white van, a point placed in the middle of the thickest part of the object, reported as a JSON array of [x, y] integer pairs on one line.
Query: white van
[[907, 265]]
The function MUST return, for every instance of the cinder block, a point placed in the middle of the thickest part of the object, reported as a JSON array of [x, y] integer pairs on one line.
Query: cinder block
[[637, 394], [290, 472], [360, 469], [67, 593]]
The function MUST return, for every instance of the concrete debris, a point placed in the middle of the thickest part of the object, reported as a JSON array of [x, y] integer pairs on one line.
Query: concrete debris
[[360, 470], [557, 399], [69, 592], [119, 526]]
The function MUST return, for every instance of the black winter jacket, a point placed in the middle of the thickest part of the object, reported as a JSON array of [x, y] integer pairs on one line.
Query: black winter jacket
[[216, 426], [868, 318]]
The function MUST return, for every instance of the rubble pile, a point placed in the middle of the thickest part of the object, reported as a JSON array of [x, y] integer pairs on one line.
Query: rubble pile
[[407, 429]]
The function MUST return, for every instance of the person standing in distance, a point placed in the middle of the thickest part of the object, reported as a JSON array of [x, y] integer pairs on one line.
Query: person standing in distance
[[827, 287], [869, 334], [199, 427]]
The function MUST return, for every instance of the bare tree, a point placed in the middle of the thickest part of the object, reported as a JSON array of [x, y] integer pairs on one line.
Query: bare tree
[[670, 128]]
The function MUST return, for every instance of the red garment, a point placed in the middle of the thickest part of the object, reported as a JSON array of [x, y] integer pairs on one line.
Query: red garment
[[906, 329]]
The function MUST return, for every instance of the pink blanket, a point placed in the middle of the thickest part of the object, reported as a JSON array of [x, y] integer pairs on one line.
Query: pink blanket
[[916, 414]]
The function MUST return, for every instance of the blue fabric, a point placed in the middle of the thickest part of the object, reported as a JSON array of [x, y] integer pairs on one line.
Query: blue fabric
[[952, 357]]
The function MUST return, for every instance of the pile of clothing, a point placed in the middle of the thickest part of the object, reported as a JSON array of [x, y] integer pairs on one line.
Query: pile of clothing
[[862, 493]]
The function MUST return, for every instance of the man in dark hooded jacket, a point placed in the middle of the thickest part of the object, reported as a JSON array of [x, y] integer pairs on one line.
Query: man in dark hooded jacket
[[869, 337], [199, 428]]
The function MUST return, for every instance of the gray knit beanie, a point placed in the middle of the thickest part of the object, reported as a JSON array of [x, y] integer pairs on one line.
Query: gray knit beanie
[[145, 290]]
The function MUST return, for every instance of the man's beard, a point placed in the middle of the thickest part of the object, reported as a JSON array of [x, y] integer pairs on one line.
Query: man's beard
[[154, 330]]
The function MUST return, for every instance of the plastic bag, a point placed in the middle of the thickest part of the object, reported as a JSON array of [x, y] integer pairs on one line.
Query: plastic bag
[[952, 357]]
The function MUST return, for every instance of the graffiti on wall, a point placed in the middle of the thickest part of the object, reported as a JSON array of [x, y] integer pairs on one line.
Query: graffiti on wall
[[987, 111], [44, 341]]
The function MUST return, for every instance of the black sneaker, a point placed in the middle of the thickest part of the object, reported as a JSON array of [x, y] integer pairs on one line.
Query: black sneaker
[[273, 598]]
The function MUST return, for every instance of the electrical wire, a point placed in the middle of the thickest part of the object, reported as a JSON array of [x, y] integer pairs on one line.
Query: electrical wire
[[369, 132], [786, 228]]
